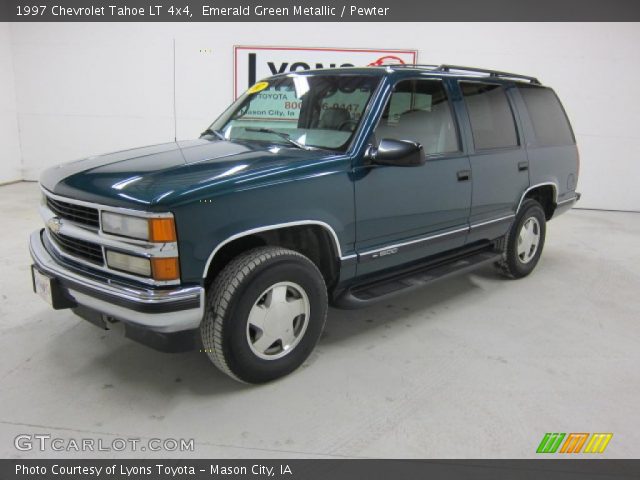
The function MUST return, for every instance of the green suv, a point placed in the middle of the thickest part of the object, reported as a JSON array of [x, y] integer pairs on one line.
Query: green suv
[[340, 186]]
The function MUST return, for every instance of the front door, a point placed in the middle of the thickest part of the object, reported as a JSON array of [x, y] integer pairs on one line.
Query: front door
[[406, 213]]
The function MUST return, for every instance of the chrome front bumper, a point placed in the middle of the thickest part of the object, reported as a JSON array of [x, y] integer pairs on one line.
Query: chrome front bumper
[[161, 310]]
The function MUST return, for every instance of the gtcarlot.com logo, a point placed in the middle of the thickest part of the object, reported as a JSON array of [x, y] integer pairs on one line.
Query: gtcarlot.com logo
[[45, 442]]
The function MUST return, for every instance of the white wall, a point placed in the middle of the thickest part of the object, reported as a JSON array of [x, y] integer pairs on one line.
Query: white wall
[[10, 164], [84, 89]]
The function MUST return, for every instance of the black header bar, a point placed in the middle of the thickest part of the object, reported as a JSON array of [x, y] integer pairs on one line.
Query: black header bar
[[318, 10]]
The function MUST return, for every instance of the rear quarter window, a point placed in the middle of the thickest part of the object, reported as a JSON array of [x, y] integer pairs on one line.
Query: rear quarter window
[[549, 120]]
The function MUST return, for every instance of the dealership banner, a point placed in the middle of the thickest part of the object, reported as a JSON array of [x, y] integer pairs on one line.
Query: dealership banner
[[317, 11], [252, 63], [200, 469]]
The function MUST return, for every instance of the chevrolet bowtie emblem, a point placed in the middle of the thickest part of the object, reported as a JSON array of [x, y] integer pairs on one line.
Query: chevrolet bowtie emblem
[[54, 224]]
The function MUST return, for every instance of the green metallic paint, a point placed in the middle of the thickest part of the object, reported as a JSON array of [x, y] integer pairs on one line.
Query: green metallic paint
[[217, 189]]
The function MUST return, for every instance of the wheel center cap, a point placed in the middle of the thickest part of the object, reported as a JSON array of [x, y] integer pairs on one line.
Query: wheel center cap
[[276, 321]]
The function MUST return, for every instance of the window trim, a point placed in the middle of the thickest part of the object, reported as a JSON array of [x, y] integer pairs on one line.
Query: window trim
[[456, 123], [516, 124]]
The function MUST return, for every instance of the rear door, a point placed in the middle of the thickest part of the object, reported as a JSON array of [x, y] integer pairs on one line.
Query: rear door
[[499, 165]]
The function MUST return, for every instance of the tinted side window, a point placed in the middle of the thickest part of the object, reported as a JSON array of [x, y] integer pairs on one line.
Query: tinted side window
[[490, 114], [418, 110], [550, 123]]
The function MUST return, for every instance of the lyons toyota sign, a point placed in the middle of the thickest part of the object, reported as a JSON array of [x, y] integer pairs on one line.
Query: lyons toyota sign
[[254, 63]]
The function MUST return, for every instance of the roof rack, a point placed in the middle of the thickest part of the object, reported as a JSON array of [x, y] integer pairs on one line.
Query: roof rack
[[490, 73]]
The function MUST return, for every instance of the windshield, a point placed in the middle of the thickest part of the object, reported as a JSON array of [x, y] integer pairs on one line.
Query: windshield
[[306, 111]]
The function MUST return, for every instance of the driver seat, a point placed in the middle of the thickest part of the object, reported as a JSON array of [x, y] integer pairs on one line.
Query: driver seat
[[334, 118]]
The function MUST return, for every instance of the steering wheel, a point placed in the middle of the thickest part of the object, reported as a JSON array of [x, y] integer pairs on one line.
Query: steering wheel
[[346, 123], [345, 88]]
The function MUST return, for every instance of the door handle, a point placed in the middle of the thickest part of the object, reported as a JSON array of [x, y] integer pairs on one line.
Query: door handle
[[523, 166], [464, 175]]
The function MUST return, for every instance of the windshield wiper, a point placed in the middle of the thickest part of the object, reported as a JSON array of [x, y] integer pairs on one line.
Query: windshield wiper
[[217, 133], [280, 134]]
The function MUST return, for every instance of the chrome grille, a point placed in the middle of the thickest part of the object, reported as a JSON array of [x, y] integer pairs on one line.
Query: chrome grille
[[91, 252], [73, 232], [76, 213]]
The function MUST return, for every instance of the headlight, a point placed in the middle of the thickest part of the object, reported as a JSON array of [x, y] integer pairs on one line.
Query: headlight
[[151, 229], [129, 263], [125, 225], [164, 269]]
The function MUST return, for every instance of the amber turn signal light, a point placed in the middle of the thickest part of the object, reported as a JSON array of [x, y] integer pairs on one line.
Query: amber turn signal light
[[162, 230], [165, 268]]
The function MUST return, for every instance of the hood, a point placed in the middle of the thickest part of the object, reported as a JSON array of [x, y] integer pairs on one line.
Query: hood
[[170, 172]]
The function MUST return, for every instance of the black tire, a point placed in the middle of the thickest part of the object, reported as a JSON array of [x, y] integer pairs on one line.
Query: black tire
[[512, 265], [232, 296]]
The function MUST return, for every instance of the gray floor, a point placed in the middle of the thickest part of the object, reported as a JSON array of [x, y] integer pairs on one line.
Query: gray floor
[[476, 366]]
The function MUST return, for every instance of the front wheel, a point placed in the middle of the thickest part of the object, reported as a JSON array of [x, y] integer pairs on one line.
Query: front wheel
[[265, 313], [525, 241]]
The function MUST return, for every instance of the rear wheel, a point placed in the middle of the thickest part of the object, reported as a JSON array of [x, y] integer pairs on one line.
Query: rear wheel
[[524, 241], [265, 313]]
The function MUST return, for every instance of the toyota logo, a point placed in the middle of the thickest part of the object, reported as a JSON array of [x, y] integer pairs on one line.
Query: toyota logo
[[387, 60]]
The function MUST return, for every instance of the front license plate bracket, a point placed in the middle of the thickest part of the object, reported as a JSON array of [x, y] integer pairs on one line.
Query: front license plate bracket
[[50, 290]]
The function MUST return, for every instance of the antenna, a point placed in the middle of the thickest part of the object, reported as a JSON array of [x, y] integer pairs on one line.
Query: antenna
[[175, 118]]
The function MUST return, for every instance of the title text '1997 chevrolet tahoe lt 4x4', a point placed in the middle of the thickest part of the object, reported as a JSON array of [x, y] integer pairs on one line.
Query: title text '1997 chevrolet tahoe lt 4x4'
[[341, 186]]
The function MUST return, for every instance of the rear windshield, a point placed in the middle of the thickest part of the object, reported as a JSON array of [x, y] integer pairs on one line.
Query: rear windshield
[[550, 123]]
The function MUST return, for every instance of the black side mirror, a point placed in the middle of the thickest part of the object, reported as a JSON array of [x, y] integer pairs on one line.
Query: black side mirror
[[398, 153]]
